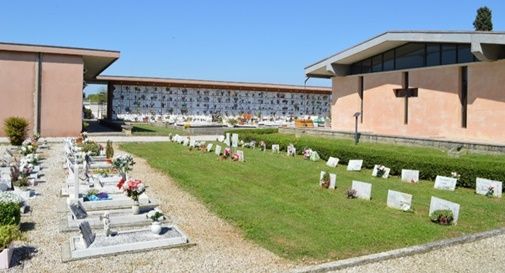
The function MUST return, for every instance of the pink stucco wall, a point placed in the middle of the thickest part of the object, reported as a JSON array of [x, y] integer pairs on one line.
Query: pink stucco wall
[[17, 85], [61, 95], [435, 113]]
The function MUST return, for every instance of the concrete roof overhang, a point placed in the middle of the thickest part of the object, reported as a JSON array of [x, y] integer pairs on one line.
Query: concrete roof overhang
[[486, 46], [95, 60]]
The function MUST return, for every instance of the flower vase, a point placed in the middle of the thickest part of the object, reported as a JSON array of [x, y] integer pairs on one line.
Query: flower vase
[[5, 257], [156, 227], [136, 207]]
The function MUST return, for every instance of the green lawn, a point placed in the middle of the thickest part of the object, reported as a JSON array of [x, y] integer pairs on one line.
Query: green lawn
[[277, 202], [152, 130]]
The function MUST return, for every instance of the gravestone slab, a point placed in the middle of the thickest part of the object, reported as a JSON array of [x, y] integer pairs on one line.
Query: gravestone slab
[[78, 210], [291, 151], [240, 156], [333, 180], [192, 143], [483, 185], [217, 151], [220, 138], [209, 147], [441, 204], [354, 165], [399, 200], [376, 170], [234, 140], [363, 189], [275, 148], [227, 139], [332, 162], [411, 176], [88, 237], [445, 183]]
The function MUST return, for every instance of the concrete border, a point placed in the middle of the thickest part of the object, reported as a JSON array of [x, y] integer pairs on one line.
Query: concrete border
[[397, 253]]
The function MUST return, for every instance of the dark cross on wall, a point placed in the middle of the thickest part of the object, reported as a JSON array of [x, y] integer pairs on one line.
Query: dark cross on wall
[[405, 92]]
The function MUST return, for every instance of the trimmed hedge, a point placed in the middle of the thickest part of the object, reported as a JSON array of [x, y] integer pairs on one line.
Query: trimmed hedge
[[9, 214], [429, 162], [254, 131]]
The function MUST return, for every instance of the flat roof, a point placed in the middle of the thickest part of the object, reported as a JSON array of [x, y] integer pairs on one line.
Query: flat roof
[[95, 60], [210, 84], [391, 39]]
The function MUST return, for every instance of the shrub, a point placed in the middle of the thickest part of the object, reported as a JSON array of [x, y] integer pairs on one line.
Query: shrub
[[8, 233], [109, 150], [254, 131], [443, 217], [91, 147], [9, 214], [429, 164], [88, 114], [15, 128]]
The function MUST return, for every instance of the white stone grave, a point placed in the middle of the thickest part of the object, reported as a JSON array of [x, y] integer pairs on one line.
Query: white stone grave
[[234, 140], [217, 151], [441, 204], [354, 165], [275, 148], [332, 162], [411, 176], [363, 189], [445, 183], [482, 186], [333, 180], [209, 147], [241, 157], [399, 200], [376, 170], [227, 140]]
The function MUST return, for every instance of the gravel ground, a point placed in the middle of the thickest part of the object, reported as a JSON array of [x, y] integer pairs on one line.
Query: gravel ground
[[220, 247]]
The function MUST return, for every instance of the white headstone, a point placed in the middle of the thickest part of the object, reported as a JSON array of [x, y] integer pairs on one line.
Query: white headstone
[[363, 190], [209, 147], [332, 162], [234, 140], [217, 151], [411, 176], [192, 143], [333, 180], [376, 170], [76, 180], [240, 155], [483, 186], [445, 183], [220, 138], [275, 148], [354, 165], [399, 200], [185, 142], [227, 140], [441, 204]]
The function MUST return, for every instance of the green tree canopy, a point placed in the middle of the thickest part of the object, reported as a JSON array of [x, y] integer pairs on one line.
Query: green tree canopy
[[483, 20]]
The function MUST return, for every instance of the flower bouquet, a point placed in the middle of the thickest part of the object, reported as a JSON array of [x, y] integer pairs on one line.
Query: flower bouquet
[[133, 189], [226, 153], [27, 148], [263, 146], [123, 163], [307, 152], [235, 157], [155, 215]]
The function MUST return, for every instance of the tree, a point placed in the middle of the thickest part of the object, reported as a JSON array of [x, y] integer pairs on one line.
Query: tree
[[483, 20]]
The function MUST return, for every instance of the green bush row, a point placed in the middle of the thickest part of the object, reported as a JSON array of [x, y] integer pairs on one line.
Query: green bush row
[[262, 131], [429, 163]]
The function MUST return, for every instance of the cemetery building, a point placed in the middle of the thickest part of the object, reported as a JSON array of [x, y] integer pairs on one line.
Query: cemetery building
[[44, 85], [144, 98], [435, 85]]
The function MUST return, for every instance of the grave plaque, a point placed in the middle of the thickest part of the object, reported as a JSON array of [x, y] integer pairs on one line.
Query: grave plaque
[[192, 143], [399, 200], [354, 165], [234, 140], [445, 183], [220, 138], [441, 204], [240, 155], [275, 148], [333, 180], [209, 147], [411, 176], [78, 210], [363, 190], [376, 170], [486, 186], [332, 162], [227, 140], [217, 151], [88, 237]]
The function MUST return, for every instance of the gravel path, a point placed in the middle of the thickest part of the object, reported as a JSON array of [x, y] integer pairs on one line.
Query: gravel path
[[220, 246]]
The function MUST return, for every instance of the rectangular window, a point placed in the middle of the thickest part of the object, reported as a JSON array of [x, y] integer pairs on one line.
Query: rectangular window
[[388, 60], [464, 95], [432, 54], [449, 54], [356, 68], [366, 66], [464, 54], [377, 63], [361, 94], [410, 56]]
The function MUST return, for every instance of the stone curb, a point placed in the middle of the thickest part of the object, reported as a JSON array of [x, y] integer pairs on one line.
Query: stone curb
[[397, 253]]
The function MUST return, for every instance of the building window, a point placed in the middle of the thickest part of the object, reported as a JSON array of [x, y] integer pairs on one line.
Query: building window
[[465, 54], [388, 60], [432, 54], [449, 54], [410, 56], [366, 66], [377, 63], [464, 96]]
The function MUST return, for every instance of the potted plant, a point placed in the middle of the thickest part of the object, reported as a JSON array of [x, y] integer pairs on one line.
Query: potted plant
[[133, 189], [325, 180], [442, 217], [156, 216], [8, 233], [352, 194]]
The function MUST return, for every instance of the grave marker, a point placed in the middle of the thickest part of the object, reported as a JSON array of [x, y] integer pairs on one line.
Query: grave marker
[[441, 204], [399, 200], [87, 236], [217, 151], [333, 180], [332, 162], [354, 165], [234, 140], [376, 171], [275, 148], [209, 147], [240, 155], [78, 211], [411, 176], [363, 190], [482, 186], [445, 183]]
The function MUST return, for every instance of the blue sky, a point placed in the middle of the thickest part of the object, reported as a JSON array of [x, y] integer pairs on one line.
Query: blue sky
[[252, 41]]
